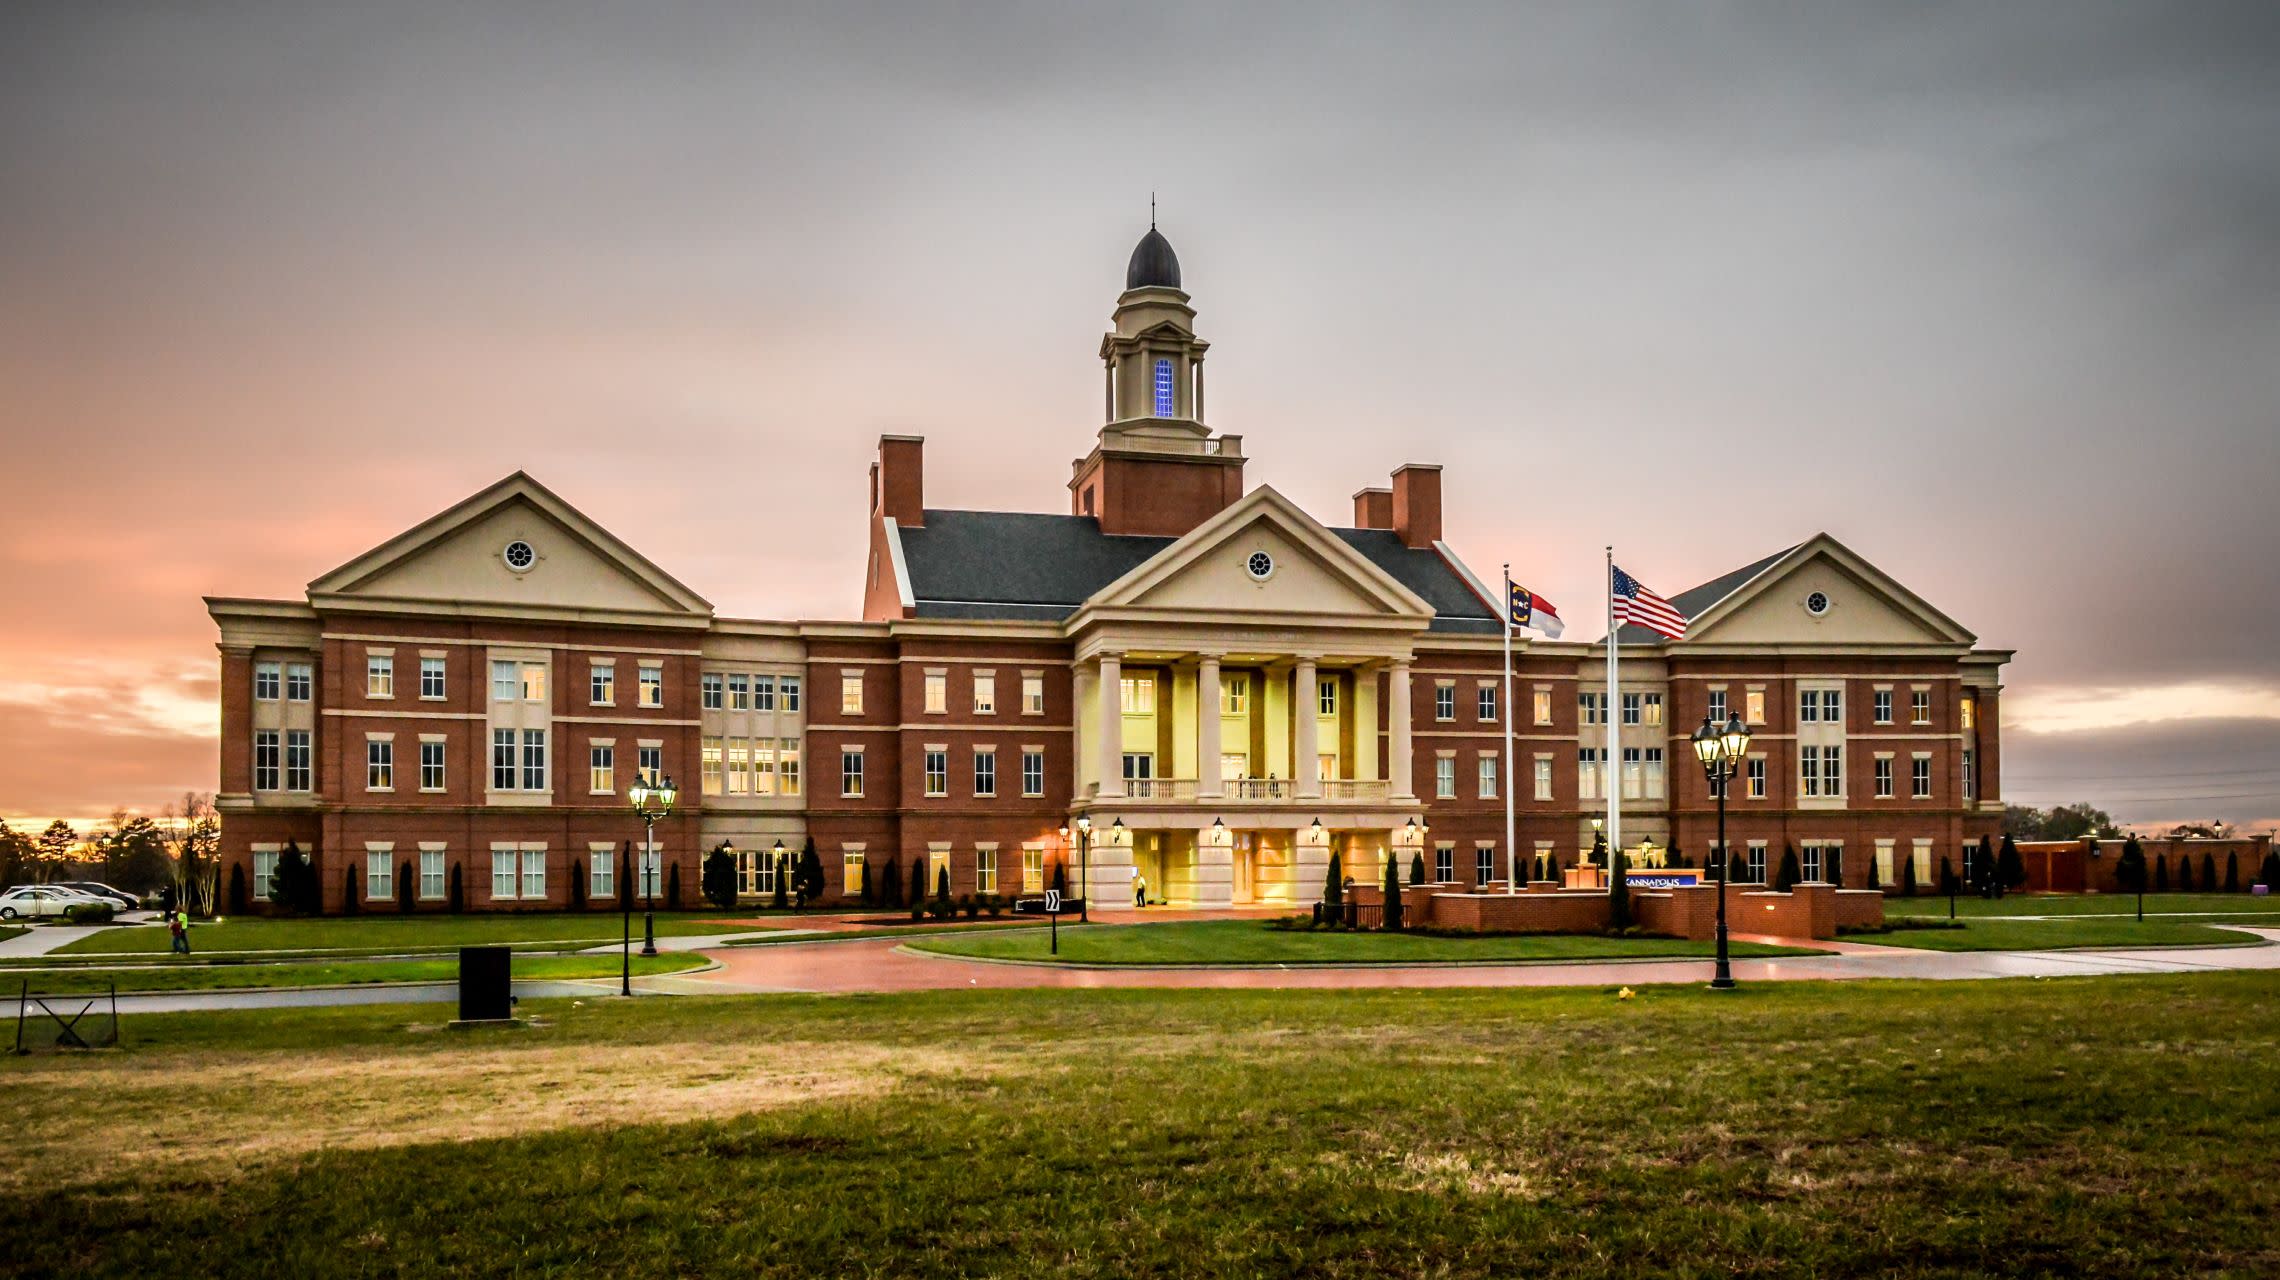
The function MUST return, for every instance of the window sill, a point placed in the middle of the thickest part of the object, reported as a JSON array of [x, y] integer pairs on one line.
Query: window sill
[[432, 791]]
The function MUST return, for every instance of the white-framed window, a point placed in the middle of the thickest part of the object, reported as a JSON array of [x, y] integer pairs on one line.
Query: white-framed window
[[1543, 701], [601, 685], [1445, 777], [431, 764], [1234, 765], [264, 869], [534, 760], [985, 868], [937, 693], [533, 681], [1444, 700], [1591, 708], [432, 679], [502, 759], [788, 767], [379, 764], [300, 766], [1591, 773], [1653, 765], [851, 870], [1833, 772], [506, 681], [1634, 774], [851, 693], [1753, 705], [267, 769], [1755, 771], [1485, 704], [1543, 777], [1326, 696], [1968, 713], [1488, 775], [1884, 777], [1631, 712], [985, 772], [1809, 771], [1235, 694], [739, 766], [432, 874], [1880, 703], [851, 773], [379, 675], [763, 693], [268, 681], [1032, 773], [985, 693], [1444, 863], [1884, 862], [1810, 862], [504, 864], [937, 770], [1139, 766], [601, 873], [379, 873], [534, 874], [1920, 777], [713, 752], [763, 766], [1032, 695], [1138, 694], [649, 761], [300, 680], [1032, 868], [1970, 775], [1718, 706], [788, 693], [1920, 705], [652, 685], [601, 769], [1484, 862], [1757, 861], [712, 691], [1920, 853]]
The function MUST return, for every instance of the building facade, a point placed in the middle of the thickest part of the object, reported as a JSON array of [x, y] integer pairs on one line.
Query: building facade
[[1226, 688]]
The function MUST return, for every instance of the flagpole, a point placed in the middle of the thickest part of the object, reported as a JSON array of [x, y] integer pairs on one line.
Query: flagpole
[[1511, 762], [1613, 762]]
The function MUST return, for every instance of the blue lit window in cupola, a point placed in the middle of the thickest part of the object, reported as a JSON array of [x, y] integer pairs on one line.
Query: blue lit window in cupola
[[1163, 388]]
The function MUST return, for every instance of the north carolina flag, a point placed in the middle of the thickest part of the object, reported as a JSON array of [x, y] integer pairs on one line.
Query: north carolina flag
[[1532, 610]]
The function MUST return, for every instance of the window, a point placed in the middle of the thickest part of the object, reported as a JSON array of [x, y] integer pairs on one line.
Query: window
[[937, 693], [518, 681], [1634, 774], [1591, 774], [1591, 707], [937, 772], [985, 693], [1631, 708], [379, 676], [850, 871], [534, 682], [1234, 765], [740, 693], [1757, 862], [1032, 869], [1543, 777], [266, 772], [1756, 773], [712, 687], [788, 690], [763, 767], [1139, 695], [788, 767], [1163, 388], [1920, 777], [267, 681], [1810, 861], [1881, 705], [1033, 695], [1809, 771], [1139, 766], [1033, 773], [713, 753], [851, 774], [1921, 855], [601, 873], [851, 694], [763, 693], [431, 765], [1484, 863], [985, 870], [1884, 777], [1808, 706], [298, 761], [1235, 695], [379, 764], [1833, 772], [1485, 706], [1654, 773], [1920, 706], [1444, 863], [379, 875], [298, 679], [1488, 775], [534, 874], [1543, 701], [601, 768], [503, 875], [1718, 706], [534, 760], [1445, 700], [264, 868], [1326, 697], [652, 686], [1969, 709], [1651, 706], [1970, 775], [1832, 707], [1753, 706], [431, 875], [1445, 777], [985, 773], [1884, 862]]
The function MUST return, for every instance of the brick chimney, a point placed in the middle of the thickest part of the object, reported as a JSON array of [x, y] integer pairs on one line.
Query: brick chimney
[[898, 489], [1417, 504], [1373, 508]]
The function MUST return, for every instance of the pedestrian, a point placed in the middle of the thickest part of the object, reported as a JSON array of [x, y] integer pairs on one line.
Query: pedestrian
[[178, 924], [1139, 891]]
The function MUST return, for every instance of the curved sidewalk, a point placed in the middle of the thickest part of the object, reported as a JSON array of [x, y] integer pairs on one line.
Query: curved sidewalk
[[880, 964]]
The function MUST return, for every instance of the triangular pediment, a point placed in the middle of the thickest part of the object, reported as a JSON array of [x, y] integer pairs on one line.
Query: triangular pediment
[[1860, 605], [458, 562], [1309, 571]]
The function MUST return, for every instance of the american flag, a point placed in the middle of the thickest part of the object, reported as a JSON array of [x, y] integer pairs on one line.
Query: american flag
[[1634, 603]]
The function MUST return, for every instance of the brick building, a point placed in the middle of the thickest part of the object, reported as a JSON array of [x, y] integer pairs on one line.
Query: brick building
[[1228, 688]]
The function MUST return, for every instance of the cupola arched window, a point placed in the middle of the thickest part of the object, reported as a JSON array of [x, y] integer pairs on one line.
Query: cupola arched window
[[1163, 388]]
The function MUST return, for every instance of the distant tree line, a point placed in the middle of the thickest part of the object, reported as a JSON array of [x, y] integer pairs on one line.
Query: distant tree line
[[2062, 822]]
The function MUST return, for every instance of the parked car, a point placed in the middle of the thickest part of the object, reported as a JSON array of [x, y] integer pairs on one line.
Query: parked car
[[119, 897], [41, 901]]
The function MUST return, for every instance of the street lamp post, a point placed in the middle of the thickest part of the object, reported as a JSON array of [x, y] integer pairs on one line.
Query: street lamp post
[[652, 800], [1721, 749], [1084, 869]]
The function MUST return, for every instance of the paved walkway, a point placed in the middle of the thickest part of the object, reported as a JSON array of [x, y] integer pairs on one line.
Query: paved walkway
[[304, 997]]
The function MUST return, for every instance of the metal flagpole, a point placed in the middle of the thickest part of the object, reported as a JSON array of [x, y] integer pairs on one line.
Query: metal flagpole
[[1511, 761], [1612, 763]]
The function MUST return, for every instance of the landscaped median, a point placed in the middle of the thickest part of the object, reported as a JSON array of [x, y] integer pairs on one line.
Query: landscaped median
[[2059, 922], [1262, 942], [195, 975]]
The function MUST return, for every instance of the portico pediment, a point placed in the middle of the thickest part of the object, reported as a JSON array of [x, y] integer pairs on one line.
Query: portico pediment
[[514, 548], [1821, 593]]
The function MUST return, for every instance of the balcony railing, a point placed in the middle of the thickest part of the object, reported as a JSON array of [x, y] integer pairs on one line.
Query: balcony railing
[[1160, 788], [1253, 790]]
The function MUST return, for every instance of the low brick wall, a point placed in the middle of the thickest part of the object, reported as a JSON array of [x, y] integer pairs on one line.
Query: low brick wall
[[1808, 911]]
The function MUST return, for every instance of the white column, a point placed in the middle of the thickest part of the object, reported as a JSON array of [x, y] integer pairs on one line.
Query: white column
[[1397, 736], [1302, 705], [1111, 726], [1207, 781]]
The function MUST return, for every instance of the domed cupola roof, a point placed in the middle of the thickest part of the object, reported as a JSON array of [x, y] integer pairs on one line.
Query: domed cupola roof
[[1153, 264]]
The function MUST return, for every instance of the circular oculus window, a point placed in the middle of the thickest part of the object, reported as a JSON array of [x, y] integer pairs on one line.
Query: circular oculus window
[[1261, 565], [1817, 603], [519, 555]]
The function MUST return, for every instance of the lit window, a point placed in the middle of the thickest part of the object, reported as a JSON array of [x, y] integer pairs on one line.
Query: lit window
[[937, 693], [850, 872], [650, 762], [1652, 707], [788, 687], [1753, 706], [712, 752], [937, 773], [652, 686], [1444, 777], [985, 693], [1543, 705], [267, 680], [1033, 695], [1326, 698], [1163, 388], [788, 767], [379, 765], [739, 757], [851, 774], [1809, 771], [1139, 695], [1032, 869], [851, 694], [379, 676], [601, 769], [1757, 777], [1969, 712], [985, 871], [534, 682], [1235, 695]]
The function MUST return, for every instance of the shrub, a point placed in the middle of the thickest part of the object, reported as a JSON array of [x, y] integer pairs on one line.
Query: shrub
[[863, 885], [917, 889], [351, 901], [1392, 895], [237, 891], [1552, 867], [811, 872], [2161, 874], [890, 884], [1417, 868], [2209, 872], [1786, 879], [293, 885], [2129, 869], [577, 887], [782, 897], [2268, 873], [942, 885], [405, 903], [1949, 883], [1836, 868], [2185, 873], [1908, 876], [718, 883], [1875, 881], [456, 902], [2010, 869], [673, 887], [1334, 885], [89, 913], [2232, 871], [967, 904], [995, 904]]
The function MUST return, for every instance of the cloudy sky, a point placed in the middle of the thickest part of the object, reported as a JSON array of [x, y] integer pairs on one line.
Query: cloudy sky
[[1990, 292]]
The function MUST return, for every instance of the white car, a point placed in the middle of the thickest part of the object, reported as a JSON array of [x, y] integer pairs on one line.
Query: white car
[[34, 901]]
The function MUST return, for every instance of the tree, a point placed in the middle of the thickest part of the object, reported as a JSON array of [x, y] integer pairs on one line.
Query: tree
[[783, 878], [1908, 876], [1392, 895], [1618, 890], [942, 886], [863, 885], [1983, 879], [1060, 881], [2064, 822], [718, 883], [811, 873], [1874, 881], [1417, 868], [2268, 872], [16, 855], [237, 891], [457, 901], [350, 902], [1787, 877], [2129, 872], [2185, 873], [1552, 867], [1835, 870], [673, 887], [2010, 868], [2161, 873], [2232, 871], [404, 899], [51, 851], [2208, 872], [577, 887], [1333, 886], [890, 884], [194, 837], [133, 853], [917, 889]]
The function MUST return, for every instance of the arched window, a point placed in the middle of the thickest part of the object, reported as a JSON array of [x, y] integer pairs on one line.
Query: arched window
[[1163, 388]]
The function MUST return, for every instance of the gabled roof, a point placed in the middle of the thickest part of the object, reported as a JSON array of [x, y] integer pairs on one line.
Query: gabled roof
[[1721, 597], [1696, 601]]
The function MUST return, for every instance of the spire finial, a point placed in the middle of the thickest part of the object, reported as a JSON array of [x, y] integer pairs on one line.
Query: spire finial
[[1151, 211]]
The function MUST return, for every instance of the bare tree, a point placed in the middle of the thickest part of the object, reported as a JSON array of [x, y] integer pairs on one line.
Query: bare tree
[[193, 838]]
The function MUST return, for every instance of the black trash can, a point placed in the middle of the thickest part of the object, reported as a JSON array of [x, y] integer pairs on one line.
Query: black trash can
[[486, 984]]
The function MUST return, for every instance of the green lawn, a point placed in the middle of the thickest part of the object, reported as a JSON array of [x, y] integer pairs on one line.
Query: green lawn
[[2077, 904], [1256, 942], [208, 977], [8, 931], [2077, 1127], [402, 933], [1983, 934]]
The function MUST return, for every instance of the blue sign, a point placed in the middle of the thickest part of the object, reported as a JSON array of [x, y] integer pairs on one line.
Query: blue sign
[[1662, 879]]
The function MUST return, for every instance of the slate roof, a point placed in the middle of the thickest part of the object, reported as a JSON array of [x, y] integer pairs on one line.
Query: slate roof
[[1695, 601], [1041, 568]]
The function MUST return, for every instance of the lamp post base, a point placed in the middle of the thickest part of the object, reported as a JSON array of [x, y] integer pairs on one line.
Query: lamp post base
[[1724, 984]]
